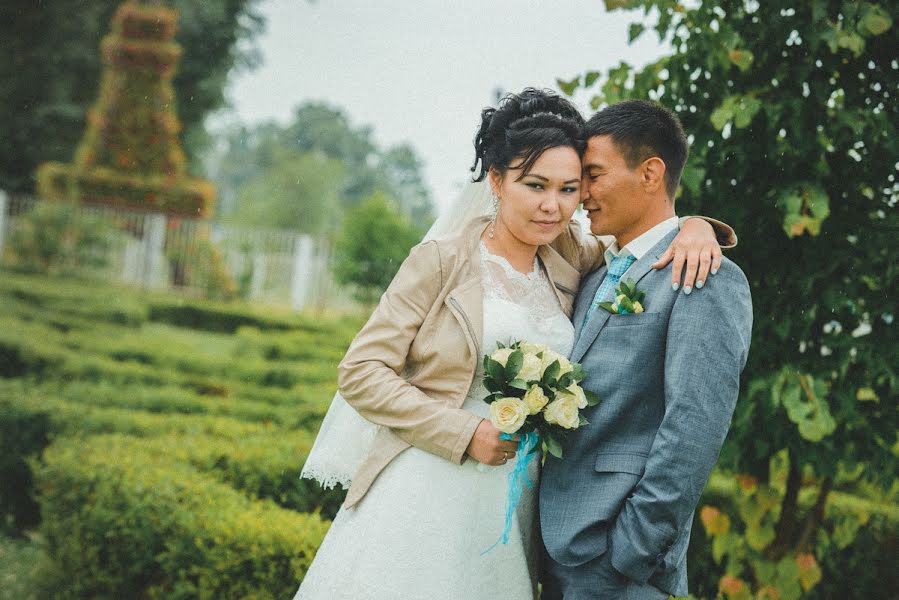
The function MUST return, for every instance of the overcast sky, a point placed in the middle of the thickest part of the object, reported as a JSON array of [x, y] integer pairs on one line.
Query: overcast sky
[[421, 71]]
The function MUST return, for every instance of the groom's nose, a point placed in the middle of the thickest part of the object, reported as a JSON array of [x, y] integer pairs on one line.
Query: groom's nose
[[585, 191]]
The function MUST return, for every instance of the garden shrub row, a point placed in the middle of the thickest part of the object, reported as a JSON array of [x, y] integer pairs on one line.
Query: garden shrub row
[[133, 306], [259, 458], [54, 297], [147, 358], [123, 522]]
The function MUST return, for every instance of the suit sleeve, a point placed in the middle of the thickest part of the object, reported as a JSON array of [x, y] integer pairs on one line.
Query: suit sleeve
[[369, 374], [707, 346]]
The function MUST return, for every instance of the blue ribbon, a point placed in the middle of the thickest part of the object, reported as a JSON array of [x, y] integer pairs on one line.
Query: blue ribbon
[[527, 445]]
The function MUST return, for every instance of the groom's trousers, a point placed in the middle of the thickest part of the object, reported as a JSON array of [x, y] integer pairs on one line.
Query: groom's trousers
[[594, 580]]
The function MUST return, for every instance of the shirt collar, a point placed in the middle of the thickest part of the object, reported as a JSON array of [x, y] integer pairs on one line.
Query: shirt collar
[[642, 244]]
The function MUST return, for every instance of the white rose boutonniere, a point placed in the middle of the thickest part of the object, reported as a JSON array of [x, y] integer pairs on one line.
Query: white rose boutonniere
[[628, 299]]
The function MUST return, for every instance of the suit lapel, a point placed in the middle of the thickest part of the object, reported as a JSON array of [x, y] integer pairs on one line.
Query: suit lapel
[[600, 317], [585, 298]]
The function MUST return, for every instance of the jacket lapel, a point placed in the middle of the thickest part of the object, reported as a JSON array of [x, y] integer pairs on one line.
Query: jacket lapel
[[562, 275], [585, 298], [600, 317]]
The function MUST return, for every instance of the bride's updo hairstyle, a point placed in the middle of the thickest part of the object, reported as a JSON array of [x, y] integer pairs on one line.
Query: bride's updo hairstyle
[[524, 126]]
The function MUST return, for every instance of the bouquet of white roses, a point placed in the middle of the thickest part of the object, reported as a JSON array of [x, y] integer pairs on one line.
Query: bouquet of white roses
[[533, 389]]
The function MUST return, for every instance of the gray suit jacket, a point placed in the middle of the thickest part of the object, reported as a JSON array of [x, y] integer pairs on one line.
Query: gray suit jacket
[[668, 380]]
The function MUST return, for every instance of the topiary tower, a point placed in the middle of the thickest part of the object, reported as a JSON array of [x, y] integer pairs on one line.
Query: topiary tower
[[130, 155]]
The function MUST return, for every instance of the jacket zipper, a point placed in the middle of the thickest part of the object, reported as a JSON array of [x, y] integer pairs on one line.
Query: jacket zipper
[[470, 328]]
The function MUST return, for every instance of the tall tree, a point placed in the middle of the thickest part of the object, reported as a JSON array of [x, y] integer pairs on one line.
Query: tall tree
[[50, 73], [791, 111], [245, 154]]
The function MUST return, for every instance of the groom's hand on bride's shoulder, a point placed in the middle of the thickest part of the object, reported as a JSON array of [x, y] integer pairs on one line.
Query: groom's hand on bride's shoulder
[[694, 253], [487, 447]]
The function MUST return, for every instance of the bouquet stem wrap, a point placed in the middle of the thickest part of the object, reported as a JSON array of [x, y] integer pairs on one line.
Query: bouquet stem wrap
[[518, 478]]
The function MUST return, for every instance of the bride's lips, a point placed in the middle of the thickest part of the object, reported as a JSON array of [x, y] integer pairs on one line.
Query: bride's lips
[[546, 224]]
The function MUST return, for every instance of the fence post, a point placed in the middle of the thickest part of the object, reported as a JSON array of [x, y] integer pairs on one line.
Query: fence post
[[3, 207], [154, 248], [302, 271]]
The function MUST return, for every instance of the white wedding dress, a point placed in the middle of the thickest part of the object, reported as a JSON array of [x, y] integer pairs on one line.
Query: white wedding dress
[[422, 529]]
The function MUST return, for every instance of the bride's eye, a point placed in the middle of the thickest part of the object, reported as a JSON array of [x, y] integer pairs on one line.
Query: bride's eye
[[569, 190]]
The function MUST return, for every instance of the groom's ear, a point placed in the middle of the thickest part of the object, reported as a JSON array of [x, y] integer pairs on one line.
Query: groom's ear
[[652, 175]]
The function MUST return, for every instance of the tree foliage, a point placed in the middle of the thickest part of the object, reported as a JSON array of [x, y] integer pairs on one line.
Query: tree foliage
[[45, 92], [297, 192], [791, 111], [247, 154], [372, 245]]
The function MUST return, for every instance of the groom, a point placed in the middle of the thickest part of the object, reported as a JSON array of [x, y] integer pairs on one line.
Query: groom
[[616, 511]]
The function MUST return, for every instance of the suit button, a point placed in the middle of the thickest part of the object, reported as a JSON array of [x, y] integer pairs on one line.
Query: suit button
[[660, 557]]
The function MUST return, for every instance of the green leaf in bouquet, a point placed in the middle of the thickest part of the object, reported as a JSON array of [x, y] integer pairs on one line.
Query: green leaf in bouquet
[[495, 370], [519, 384], [640, 295], [514, 364], [564, 381], [582, 420], [552, 445], [551, 373], [592, 399], [577, 373], [493, 385], [490, 399], [627, 305]]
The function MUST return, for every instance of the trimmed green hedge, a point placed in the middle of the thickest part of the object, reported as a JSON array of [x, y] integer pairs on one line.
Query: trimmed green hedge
[[259, 458], [123, 522]]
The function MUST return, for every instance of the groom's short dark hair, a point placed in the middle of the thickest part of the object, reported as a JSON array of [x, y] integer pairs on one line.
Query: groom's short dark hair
[[641, 130]]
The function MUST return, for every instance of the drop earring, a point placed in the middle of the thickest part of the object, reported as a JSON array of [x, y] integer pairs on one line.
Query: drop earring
[[493, 214]]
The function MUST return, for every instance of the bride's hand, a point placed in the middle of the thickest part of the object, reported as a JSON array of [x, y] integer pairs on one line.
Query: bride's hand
[[697, 246], [486, 447]]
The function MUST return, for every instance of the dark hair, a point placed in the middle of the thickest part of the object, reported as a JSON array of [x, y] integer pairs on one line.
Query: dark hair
[[641, 130], [522, 128]]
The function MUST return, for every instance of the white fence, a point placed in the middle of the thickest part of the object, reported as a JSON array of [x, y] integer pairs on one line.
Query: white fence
[[157, 252]]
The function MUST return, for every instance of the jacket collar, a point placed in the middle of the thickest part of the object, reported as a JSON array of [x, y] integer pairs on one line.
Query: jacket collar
[[468, 295], [590, 330]]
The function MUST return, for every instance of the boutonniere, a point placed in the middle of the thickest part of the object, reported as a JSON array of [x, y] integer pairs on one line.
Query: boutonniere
[[628, 299]]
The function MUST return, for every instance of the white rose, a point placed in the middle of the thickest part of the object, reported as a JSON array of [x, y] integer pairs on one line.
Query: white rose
[[535, 399], [563, 412], [508, 414], [529, 348], [579, 395], [502, 355], [638, 308], [564, 364], [531, 368]]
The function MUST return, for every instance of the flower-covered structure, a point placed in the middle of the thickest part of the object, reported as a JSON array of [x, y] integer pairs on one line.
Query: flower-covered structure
[[130, 155]]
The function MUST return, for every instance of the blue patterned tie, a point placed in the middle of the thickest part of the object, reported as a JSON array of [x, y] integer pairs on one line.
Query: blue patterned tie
[[617, 268]]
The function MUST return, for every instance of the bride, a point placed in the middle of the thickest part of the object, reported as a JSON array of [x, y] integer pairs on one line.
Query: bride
[[427, 473]]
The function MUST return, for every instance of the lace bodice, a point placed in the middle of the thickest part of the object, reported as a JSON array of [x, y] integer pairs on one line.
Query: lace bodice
[[518, 306]]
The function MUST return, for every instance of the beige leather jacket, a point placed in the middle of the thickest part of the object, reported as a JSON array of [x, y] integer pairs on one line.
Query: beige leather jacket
[[410, 367]]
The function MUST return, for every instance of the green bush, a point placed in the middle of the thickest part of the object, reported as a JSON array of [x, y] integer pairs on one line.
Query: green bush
[[126, 523], [58, 238]]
